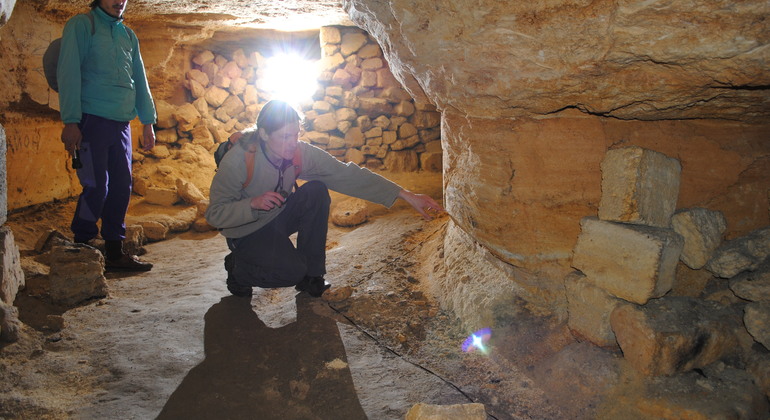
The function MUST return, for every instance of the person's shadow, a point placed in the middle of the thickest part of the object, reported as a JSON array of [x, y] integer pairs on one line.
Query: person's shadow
[[250, 371]]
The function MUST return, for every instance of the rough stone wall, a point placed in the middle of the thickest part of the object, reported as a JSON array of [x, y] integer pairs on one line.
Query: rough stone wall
[[359, 113], [363, 114]]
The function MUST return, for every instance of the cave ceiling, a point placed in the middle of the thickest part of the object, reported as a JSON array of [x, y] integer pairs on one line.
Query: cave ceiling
[[267, 14]]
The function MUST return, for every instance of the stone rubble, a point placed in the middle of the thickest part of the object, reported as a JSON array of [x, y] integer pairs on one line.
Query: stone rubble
[[702, 230], [757, 321], [741, 254], [628, 261], [753, 286], [674, 334]]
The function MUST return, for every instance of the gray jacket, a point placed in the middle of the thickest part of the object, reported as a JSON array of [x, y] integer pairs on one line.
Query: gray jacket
[[230, 204]]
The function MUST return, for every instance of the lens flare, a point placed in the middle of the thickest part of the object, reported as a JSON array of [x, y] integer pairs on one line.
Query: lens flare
[[478, 341], [290, 77]]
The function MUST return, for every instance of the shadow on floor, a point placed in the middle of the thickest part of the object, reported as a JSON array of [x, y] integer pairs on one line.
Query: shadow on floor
[[250, 371]]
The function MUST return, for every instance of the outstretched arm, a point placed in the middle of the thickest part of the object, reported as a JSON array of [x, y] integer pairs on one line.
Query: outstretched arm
[[422, 203]]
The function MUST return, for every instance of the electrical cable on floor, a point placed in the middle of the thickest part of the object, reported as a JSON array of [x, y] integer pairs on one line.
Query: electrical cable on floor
[[402, 357], [390, 350]]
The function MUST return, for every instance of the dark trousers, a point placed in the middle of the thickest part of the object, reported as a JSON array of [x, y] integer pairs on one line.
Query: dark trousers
[[105, 177], [267, 258]]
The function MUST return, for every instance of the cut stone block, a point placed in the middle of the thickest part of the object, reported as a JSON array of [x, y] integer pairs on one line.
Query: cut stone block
[[423, 411], [674, 334], [76, 274], [639, 186], [702, 230], [632, 262], [589, 310]]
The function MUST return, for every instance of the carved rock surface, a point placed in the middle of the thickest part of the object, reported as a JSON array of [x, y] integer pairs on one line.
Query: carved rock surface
[[630, 59]]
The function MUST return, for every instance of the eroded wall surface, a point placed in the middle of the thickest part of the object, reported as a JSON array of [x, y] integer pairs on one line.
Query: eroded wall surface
[[533, 95]]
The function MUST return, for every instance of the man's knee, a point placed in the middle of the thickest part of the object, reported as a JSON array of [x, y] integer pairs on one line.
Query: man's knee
[[317, 190]]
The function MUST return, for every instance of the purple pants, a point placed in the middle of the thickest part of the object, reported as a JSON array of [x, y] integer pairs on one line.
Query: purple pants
[[267, 258], [105, 177]]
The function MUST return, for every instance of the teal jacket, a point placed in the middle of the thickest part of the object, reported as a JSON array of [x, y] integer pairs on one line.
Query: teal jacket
[[230, 204], [102, 74]]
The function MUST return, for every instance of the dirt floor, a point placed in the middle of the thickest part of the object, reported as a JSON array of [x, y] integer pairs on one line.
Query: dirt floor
[[173, 344]]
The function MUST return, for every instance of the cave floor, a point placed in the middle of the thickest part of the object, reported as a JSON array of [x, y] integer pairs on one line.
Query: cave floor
[[172, 343]]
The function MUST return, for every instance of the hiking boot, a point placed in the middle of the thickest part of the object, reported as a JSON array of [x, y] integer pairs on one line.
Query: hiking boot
[[233, 286], [126, 263], [314, 286]]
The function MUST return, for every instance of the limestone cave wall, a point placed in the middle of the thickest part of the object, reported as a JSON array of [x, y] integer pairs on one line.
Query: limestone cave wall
[[534, 94]]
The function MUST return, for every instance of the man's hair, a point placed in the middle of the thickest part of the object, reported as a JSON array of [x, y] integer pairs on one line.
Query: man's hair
[[94, 4], [275, 115], [249, 136]]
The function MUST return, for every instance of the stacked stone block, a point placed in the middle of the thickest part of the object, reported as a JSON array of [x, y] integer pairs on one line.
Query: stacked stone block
[[360, 113], [628, 253], [628, 259]]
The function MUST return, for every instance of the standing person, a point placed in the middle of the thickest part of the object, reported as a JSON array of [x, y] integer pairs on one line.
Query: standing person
[[102, 87], [257, 211]]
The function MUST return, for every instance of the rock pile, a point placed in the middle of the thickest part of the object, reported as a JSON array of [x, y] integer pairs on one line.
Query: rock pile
[[628, 260]]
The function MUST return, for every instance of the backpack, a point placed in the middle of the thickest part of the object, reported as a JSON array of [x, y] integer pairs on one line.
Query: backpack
[[225, 147], [51, 57]]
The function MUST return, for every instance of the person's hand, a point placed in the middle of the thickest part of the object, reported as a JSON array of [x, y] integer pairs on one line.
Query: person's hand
[[148, 137], [422, 203], [267, 201], [71, 137]]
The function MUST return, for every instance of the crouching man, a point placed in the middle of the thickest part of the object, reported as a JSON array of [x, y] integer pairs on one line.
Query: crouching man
[[256, 203]]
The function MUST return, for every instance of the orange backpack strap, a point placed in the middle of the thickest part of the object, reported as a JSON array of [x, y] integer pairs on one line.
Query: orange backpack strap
[[297, 162], [250, 153]]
